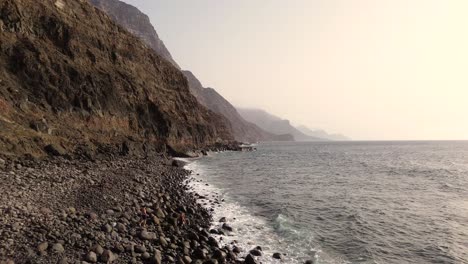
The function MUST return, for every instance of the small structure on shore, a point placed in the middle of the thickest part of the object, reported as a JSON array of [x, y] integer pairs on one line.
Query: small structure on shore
[[247, 147]]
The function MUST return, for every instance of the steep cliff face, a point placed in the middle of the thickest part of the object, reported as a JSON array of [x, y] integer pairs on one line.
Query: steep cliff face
[[71, 77], [241, 129], [139, 24]]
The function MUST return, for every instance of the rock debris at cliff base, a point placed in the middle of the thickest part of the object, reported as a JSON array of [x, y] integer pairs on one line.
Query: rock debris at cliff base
[[119, 211]]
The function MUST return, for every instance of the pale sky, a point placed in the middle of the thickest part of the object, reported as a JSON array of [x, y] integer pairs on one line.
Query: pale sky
[[370, 69]]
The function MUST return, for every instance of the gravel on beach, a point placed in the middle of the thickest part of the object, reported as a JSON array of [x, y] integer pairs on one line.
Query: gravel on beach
[[124, 210]]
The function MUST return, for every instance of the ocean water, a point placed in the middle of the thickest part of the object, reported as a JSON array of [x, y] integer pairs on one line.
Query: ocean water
[[343, 202]]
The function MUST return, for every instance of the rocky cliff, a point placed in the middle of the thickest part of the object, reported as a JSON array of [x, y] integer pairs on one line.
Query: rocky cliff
[[241, 129], [139, 24], [71, 79]]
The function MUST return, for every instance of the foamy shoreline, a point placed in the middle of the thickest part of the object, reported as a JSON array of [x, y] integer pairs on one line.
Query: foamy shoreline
[[248, 231]]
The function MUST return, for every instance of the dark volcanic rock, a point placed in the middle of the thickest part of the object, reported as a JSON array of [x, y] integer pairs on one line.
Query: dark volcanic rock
[[55, 150], [250, 260], [241, 129], [256, 252], [63, 193], [227, 227], [138, 23], [93, 83], [178, 163]]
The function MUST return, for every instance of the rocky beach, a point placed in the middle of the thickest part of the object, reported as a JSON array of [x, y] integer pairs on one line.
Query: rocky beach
[[122, 210], [92, 113]]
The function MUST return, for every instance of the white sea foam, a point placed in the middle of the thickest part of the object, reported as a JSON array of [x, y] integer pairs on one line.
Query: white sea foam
[[363, 202], [249, 230]]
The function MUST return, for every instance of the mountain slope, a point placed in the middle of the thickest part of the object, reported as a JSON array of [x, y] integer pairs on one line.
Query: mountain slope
[[322, 134], [139, 24], [274, 124], [71, 77], [241, 129]]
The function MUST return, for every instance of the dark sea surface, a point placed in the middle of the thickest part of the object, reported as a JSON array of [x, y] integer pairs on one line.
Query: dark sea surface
[[345, 202]]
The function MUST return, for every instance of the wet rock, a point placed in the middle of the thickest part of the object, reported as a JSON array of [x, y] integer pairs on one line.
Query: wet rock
[[227, 227], [255, 252], [219, 255], [178, 163], [236, 250], [212, 242], [204, 233], [250, 260], [200, 254]]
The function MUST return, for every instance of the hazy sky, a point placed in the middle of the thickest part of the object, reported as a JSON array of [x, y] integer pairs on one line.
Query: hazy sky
[[371, 69]]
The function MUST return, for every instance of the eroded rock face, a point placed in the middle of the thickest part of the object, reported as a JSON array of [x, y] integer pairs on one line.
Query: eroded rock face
[[96, 85], [139, 24], [241, 129]]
